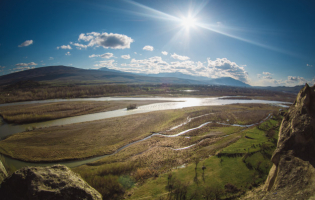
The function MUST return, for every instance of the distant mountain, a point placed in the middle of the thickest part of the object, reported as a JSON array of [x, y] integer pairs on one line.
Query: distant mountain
[[72, 75], [179, 75], [204, 80], [294, 89], [227, 81], [105, 69]]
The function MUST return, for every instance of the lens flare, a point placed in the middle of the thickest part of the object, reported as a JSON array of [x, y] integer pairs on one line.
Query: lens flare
[[188, 22]]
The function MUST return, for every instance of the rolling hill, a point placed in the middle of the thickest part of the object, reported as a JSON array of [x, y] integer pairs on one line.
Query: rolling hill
[[67, 75], [72, 75]]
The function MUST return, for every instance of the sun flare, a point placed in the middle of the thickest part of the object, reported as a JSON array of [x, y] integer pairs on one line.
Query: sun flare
[[188, 22]]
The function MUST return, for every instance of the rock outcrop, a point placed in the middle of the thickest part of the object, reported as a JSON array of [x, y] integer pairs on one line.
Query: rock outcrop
[[57, 182], [292, 175], [3, 172]]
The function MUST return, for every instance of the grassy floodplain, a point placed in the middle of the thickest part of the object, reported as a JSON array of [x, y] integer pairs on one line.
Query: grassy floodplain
[[33, 90], [232, 155], [21, 114]]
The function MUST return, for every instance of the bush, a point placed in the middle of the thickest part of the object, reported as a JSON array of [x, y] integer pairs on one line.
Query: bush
[[230, 188], [108, 186], [131, 106], [144, 173], [126, 181]]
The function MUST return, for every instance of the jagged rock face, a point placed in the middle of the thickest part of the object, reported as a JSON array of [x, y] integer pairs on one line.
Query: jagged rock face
[[293, 172], [3, 172], [57, 182]]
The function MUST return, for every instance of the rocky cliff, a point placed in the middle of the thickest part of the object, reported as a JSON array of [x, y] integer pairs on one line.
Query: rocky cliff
[[57, 182], [292, 175]]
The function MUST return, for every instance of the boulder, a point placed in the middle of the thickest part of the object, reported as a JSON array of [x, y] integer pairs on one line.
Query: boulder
[[57, 182], [292, 175]]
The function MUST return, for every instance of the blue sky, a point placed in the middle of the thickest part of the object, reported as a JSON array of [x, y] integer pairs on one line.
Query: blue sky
[[259, 42]]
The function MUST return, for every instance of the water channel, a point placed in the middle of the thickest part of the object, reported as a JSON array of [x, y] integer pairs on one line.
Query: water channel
[[173, 103]]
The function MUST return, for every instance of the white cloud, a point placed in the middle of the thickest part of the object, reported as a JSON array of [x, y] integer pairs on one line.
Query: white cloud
[[105, 55], [267, 73], [1, 68], [79, 46], [148, 48], [105, 40], [135, 52], [87, 37], [164, 53], [309, 65], [222, 67], [26, 64], [68, 53], [19, 69], [268, 80], [214, 69], [64, 47], [51, 58], [106, 63], [26, 43], [296, 79], [125, 56], [178, 57]]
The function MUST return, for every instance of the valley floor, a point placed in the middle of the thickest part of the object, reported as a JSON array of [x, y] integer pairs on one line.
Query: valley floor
[[196, 152]]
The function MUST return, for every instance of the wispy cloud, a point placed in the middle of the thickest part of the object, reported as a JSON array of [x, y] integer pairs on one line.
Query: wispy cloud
[[105, 55], [64, 47], [125, 56], [26, 43], [309, 65], [106, 63], [148, 48], [26, 64], [2, 68], [68, 53], [269, 80], [79, 46], [178, 57], [51, 58]]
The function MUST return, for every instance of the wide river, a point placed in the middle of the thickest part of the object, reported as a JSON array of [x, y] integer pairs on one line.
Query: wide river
[[173, 103]]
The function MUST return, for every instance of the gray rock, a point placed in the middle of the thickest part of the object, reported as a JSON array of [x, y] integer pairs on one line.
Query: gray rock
[[57, 182], [3, 172], [293, 174]]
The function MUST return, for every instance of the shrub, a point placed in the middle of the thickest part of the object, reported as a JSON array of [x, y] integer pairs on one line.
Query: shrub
[[126, 181], [108, 186], [144, 173], [131, 106]]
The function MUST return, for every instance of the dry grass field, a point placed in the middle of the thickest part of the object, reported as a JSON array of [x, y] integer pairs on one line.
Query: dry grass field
[[82, 140], [21, 114], [143, 169]]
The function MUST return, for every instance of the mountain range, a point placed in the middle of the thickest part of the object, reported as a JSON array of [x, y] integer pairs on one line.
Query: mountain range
[[65, 74], [71, 75]]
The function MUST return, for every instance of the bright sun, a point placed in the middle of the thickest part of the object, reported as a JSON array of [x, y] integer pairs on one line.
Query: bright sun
[[188, 22]]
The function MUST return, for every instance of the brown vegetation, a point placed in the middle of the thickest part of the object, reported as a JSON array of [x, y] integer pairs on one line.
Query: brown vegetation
[[106, 136], [21, 114], [47, 91]]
